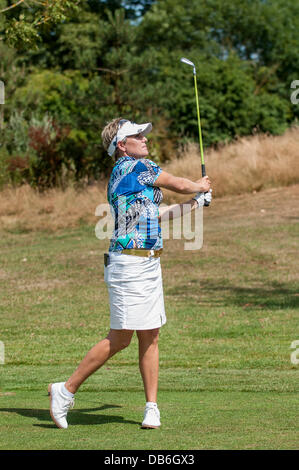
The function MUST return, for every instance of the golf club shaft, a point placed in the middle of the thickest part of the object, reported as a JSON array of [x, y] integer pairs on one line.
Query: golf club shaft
[[203, 167]]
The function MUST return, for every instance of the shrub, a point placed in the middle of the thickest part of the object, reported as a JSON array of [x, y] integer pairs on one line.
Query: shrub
[[47, 166]]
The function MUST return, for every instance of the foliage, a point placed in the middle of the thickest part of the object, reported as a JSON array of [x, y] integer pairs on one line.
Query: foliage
[[121, 58], [46, 141], [33, 151], [25, 20]]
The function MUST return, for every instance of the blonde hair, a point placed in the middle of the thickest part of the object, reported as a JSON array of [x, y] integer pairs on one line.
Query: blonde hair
[[109, 132]]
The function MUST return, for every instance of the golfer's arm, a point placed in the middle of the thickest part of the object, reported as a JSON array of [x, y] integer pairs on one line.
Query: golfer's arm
[[176, 210], [177, 184]]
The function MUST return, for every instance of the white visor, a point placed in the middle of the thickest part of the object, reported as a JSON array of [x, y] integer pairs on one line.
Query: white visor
[[125, 129]]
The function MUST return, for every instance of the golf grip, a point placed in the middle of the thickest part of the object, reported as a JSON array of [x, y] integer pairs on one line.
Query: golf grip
[[203, 172]]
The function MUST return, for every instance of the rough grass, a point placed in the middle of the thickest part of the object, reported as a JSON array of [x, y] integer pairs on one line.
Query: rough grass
[[247, 166]]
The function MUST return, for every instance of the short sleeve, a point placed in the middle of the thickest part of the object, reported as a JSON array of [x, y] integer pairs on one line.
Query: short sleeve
[[148, 171]]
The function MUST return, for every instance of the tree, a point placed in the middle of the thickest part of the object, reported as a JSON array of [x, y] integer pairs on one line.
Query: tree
[[134, 9], [22, 22], [262, 33], [121, 58]]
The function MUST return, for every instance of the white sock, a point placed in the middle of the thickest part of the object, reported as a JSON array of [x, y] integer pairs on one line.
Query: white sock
[[151, 403], [66, 392]]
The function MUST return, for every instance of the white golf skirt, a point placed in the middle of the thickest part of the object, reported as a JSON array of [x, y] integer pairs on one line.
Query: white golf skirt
[[135, 292]]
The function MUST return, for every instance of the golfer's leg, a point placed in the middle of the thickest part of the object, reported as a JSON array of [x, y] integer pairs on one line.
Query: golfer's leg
[[149, 362], [97, 356]]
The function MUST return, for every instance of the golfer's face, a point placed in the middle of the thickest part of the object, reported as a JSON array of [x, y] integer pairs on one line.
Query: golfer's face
[[136, 146]]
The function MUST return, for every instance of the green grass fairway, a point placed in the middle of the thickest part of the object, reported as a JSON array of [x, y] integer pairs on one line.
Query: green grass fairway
[[226, 376]]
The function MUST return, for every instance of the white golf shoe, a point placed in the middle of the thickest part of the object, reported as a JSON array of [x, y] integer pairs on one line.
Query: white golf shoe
[[151, 418], [59, 404]]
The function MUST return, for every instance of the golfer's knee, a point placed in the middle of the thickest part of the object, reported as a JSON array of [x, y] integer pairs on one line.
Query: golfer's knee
[[123, 343], [119, 342]]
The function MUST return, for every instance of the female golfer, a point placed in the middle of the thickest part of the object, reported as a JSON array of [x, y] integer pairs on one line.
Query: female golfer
[[132, 269]]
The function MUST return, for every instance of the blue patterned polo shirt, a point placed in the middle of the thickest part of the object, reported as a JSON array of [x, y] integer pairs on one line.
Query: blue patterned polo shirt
[[134, 203]]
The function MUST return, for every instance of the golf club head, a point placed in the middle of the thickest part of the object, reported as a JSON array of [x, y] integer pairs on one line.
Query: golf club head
[[188, 62]]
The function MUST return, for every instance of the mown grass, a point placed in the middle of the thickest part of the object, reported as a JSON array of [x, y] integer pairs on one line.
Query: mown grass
[[226, 378]]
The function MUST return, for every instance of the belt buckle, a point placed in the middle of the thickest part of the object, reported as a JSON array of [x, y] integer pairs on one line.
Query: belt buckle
[[152, 254]]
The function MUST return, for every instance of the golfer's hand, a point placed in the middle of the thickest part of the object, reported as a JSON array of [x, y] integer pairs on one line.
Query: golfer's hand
[[208, 197], [203, 199], [204, 184], [200, 198]]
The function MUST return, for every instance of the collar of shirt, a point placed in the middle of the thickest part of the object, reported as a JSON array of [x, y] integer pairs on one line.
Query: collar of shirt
[[123, 158]]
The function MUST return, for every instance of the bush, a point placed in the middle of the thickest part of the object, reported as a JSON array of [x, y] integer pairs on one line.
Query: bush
[[49, 161], [32, 152], [4, 173]]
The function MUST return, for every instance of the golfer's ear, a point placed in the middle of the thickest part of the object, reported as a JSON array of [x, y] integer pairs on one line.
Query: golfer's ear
[[121, 146]]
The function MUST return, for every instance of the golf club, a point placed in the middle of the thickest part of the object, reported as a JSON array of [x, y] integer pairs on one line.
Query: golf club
[[203, 167]]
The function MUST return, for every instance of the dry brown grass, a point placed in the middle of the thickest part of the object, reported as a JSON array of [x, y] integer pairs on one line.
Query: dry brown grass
[[25, 209], [249, 165]]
